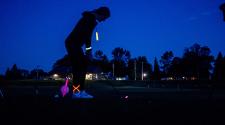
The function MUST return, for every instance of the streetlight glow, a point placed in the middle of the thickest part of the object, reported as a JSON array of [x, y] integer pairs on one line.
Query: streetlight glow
[[55, 75], [145, 74]]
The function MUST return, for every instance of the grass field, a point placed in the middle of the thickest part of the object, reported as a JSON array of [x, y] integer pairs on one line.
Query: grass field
[[146, 103]]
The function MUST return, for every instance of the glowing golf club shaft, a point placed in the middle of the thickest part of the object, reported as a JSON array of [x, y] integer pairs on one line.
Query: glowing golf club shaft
[[97, 36]]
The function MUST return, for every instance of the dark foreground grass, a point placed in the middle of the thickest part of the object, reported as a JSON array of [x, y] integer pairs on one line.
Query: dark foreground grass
[[36, 104], [111, 111]]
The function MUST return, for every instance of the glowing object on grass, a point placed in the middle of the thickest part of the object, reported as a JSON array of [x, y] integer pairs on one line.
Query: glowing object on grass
[[97, 37], [65, 89], [125, 97], [1, 93], [76, 88]]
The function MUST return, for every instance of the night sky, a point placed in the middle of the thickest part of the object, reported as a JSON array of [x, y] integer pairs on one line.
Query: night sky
[[32, 32]]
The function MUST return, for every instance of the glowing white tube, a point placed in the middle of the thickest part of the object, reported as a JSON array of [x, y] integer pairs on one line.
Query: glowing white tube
[[97, 37], [89, 48]]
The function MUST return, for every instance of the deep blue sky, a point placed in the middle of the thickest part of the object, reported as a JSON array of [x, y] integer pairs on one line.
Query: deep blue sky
[[32, 32]]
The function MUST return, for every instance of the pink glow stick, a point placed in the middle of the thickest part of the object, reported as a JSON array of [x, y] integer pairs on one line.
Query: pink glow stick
[[65, 89]]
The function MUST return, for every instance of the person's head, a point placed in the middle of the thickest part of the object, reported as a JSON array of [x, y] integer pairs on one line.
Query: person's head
[[102, 13]]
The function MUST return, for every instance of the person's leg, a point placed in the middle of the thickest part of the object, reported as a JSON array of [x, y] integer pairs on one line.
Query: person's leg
[[83, 71], [80, 70], [77, 69], [85, 64]]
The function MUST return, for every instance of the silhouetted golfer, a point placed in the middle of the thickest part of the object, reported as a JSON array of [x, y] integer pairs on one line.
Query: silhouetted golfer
[[81, 35]]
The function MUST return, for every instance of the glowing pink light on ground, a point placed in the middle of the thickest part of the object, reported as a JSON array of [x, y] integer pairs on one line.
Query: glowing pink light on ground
[[65, 89], [125, 97]]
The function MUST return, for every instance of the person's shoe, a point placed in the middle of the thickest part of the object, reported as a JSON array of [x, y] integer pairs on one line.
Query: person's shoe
[[82, 94], [76, 95]]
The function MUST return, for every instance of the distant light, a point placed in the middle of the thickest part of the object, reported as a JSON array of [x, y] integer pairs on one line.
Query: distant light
[[55, 75], [120, 78], [170, 78], [126, 97], [89, 76], [97, 37], [193, 78], [145, 74]]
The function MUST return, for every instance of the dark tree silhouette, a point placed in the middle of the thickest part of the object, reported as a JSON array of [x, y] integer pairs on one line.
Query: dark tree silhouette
[[101, 61], [156, 72], [1, 79], [15, 73], [38, 74], [222, 8], [65, 61], [119, 68], [177, 68], [120, 60], [223, 73], [98, 55], [166, 62], [62, 66], [131, 69], [197, 62], [8, 74], [120, 54], [205, 63], [218, 72], [24, 73], [147, 68]]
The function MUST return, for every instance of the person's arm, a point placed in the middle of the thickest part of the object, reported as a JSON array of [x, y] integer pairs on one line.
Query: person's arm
[[89, 28], [88, 46]]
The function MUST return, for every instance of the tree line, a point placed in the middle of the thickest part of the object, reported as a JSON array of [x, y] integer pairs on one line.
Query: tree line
[[196, 63], [16, 73]]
